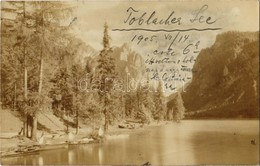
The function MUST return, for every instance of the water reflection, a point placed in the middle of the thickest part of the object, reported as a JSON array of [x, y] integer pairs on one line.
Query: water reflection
[[100, 155], [188, 143], [71, 156], [40, 160]]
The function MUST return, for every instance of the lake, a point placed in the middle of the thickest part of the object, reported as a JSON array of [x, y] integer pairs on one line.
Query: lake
[[188, 143]]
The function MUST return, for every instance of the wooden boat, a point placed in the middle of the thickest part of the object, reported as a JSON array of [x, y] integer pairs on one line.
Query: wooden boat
[[126, 126], [121, 126]]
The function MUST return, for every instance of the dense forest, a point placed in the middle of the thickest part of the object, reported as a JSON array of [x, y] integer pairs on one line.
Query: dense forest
[[42, 69]]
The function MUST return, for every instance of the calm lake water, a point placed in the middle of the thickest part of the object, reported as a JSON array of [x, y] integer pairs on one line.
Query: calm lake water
[[188, 143]]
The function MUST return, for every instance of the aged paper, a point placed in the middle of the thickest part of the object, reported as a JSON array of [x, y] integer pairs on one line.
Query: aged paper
[[129, 82]]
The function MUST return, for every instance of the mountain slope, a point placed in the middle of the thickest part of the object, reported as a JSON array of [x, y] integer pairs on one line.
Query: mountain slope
[[128, 62], [226, 82]]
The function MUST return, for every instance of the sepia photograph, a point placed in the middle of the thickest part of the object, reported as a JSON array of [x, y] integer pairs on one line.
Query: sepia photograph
[[122, 82]]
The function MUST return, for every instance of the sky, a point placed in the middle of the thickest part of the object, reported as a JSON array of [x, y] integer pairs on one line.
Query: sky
[[88, 18], [241, 15], [229, 15]]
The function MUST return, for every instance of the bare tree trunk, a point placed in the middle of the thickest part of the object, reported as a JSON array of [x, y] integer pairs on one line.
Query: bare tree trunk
[[105, 113], [15, 78], [34, 124], [25, 123], [65, 119], [25, 126], [41, 76], [77, 122], [106, 121], [14, 106], [25, 83], [34, 129], [67, 126], [123, 101]]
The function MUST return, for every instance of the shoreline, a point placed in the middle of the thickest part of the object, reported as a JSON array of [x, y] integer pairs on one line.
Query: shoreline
[[221, 119], [19, 145]]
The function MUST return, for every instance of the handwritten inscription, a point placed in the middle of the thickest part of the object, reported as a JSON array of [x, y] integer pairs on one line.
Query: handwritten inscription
[[172, 49], [141, 18]]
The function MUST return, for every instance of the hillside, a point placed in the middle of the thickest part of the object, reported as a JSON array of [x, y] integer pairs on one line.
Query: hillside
[[225, 84], [128, 61], [9, 122]]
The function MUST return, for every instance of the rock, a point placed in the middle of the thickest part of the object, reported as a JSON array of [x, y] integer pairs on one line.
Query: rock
[[253, 142], [147, 164], [71, 137], [86, 140], [41, 140], [100, 132]]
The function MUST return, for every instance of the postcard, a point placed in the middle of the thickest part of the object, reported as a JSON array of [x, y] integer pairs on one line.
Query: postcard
[[120, 82]]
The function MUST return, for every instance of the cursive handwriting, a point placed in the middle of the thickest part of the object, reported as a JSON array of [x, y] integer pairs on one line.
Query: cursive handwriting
[[136, 17], [170, 47], [148, 19]]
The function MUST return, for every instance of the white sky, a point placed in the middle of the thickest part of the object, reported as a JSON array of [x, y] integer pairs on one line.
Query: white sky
[[238, 15], [241, 15]]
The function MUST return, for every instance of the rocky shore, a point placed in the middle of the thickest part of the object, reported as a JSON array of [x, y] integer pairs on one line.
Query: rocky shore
[[13, 144]]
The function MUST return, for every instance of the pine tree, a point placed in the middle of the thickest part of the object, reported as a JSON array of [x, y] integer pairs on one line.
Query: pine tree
[[176, 107], [131, 105], [160, 106], [20, 31], [144, 102], [46, 39], [180, 108], [105, 74], [34, 37]]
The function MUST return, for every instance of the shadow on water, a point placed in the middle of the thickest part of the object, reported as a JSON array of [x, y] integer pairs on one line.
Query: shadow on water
[[43, 158]]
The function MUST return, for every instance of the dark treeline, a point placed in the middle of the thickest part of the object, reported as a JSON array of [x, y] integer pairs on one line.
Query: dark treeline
[[40, 71]]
